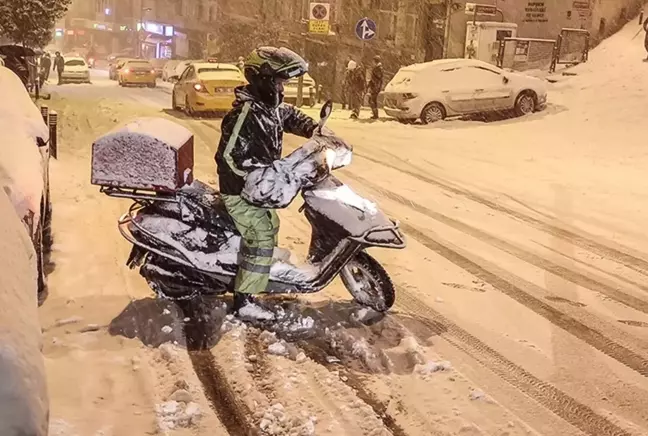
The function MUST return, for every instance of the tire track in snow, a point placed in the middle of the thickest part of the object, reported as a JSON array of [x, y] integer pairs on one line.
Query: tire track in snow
[[484, 270], [566, 407], [578, 277], [584, 240]]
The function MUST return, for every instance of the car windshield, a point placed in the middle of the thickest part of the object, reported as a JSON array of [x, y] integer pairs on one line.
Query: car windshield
[[75, 63]]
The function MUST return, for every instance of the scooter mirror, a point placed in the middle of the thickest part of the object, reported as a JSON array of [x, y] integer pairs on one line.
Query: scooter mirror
[[326, 110]]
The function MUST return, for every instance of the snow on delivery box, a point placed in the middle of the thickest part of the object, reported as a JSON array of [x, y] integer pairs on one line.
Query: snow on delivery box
[[147, 154]]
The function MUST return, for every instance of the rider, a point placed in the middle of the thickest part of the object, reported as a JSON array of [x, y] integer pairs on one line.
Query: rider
[[252, 138]]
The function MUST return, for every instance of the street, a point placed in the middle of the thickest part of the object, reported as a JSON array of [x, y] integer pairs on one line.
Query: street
[[521, 309]]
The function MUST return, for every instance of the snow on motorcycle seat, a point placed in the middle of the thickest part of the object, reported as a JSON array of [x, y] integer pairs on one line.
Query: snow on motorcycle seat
[[146, 154]]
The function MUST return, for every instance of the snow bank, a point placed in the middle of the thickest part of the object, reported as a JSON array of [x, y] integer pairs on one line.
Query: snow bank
[[149, 153], [23, 391]]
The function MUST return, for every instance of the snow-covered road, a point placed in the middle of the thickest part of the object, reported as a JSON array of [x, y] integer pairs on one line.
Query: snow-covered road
[[527, 271]]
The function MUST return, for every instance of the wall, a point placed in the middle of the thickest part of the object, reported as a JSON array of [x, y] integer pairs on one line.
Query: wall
[[544, 18]]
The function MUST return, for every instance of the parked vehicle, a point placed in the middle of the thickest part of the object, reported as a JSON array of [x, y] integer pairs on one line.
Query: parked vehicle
[[169, 69], [137, 72], [27, 136], [76, 70], [114, 66], [186, 244], [309, 91], [158, 66], [206, 87], [443, 88], [181, 67]]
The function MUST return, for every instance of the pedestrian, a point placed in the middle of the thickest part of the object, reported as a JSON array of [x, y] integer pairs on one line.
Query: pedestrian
[[46, 64], [357, 83], [645, 26], [241, 63], [59, 66], [345, 84], [375, 86]]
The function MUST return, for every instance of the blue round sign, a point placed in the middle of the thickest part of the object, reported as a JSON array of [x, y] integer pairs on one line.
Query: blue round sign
[[366, 29]]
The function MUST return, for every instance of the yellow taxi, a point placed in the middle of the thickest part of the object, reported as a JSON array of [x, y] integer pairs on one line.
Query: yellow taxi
[[137, 72], [206, 87]]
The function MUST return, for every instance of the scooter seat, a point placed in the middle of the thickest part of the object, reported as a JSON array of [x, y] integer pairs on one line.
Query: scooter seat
[[203, 205]]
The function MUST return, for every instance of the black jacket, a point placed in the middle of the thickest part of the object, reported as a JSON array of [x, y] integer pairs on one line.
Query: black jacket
[[376, 81], [260, 138], [59, 63]]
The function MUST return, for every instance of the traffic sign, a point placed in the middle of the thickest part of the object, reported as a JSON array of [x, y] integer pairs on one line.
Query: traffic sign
[[474, 8], [366, 29], [320, 14]]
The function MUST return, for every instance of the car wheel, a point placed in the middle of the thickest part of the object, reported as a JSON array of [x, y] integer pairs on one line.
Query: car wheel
[[525, 104], [188, 109], [432, 113]]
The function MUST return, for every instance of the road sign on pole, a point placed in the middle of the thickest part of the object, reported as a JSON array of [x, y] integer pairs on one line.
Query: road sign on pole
[[474, 8], [319, 20], [366, 29]]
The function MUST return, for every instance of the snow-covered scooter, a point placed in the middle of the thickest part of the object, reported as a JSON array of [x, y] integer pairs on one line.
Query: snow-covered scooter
[[186, 244]]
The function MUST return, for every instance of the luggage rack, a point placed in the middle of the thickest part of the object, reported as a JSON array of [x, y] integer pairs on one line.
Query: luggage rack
[[138, 194]]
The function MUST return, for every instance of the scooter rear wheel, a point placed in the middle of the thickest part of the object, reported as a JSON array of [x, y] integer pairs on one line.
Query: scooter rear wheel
[[368, 283]]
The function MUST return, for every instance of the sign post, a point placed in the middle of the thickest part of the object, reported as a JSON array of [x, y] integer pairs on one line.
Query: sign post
[[319, 19], [475, 9]]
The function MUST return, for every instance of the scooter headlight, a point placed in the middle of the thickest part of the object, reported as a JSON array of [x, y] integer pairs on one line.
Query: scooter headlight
[[330, 156]]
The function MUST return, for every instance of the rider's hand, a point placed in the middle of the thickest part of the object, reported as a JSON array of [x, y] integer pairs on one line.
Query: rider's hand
[[324, 132]]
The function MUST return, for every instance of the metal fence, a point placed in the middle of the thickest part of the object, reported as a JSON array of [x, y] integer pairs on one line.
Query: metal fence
[[526, 53]]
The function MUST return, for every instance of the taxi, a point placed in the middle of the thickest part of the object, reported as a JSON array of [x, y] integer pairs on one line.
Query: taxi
[[137, 72], [206, 87]]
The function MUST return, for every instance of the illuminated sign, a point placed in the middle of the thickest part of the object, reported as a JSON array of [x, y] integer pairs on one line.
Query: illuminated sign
[[59, 33]]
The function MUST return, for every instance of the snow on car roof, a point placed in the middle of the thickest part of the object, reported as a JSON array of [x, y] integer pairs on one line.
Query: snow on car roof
[[73, 58], [213, 65], [445, 63], [16, 106]]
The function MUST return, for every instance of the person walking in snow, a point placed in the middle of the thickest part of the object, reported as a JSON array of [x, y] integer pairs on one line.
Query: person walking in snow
[[375, 86], [345, 85], [59, 66], [252, 138], [356, 88], [46, 64]]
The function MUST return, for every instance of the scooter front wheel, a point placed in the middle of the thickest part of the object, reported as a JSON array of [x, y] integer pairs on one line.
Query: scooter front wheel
[[368, 282]]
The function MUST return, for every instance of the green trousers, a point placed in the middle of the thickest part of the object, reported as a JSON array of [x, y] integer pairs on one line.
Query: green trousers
[[259, 230]]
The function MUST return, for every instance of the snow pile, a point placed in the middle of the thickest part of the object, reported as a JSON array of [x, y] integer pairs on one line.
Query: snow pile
[[432, 367], [149, 153], [175, 414], [345, 195], [275, 421]]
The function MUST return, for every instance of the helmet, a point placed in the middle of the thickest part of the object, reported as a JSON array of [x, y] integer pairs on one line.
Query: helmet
[[267, 67]]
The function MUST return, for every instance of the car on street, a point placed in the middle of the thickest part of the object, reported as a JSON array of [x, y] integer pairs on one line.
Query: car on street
[[158, 65], [137, 72], [206, 87], [24, 164], [308, 91], [76, 70], [435, 90], [114, 66], [169, 69]]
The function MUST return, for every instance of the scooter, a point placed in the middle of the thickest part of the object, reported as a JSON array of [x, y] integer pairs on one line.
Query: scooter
[[186, 244]]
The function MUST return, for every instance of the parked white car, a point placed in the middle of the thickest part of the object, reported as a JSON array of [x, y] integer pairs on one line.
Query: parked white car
[[24, 164], [169, 69], [435, 90], [76, 70]]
